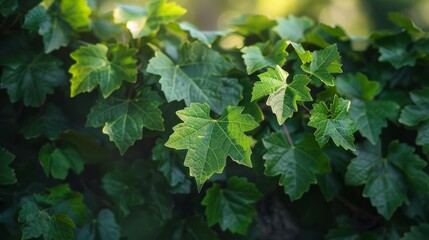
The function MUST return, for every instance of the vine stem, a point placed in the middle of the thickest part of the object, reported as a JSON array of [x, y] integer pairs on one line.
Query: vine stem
[[289, 139]]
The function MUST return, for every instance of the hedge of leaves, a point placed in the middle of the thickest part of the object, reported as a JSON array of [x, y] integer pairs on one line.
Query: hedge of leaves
[[134, 124]]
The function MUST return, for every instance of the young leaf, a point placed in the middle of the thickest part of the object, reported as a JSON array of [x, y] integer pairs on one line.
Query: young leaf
[[144, 21], [296, 165], [76, 14], [333, 122], [123, 118], [418, 115], [324, 62], [356, 86], [209, 141], [293, 28], [7, 174], [197, 77], [304, 55], [50, 124], [231, 207], [57, 162], [259, 56], [282, 96], [386, 179], [33, 78], [93, 67], [371, 116]]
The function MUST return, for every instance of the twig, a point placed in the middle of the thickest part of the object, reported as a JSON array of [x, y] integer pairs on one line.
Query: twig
[[289, 139], [305, 107], [358, 211]]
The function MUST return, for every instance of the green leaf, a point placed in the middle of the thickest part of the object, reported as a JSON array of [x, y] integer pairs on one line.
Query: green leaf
[[304, 55], [418, 115], [323, 64], [334, 123], [50, 124], [207, 37], [293, 28], [123, 118], [417, 232], [249, 24], [356, 86], [197, 77], [93, 67], [108, 229], [231, 207], [404, 22], [37, 223], [144, 21], [8, 7], [168, 164], [209, 141], [370, 117], [282, 95], [57, 162], [7, 174], [297, 165], [386, 178], [32, 79], [262, 55], [394, 49], [123, 193], [193, 228], [76, 14]]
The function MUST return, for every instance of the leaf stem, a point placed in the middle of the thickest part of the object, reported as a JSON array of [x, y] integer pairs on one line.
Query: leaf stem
[[289, 139], [305, 107]]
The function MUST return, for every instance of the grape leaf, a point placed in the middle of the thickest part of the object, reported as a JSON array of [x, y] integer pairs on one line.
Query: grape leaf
[[324, 62], [8, 7], [123, 118], [417, 232], [404, 22], [93, 67], [33, 78], [57, 21], [333, 122], [417, 115], [261, 55], [293, 28], [143, 21], [209, 141], [38, 222], [251, 24], [57, 162], [7, 174], [282, 96], [50, 124], [108, 229], [386, 178], [394, 49], [304, 55], [371, 116], [207, 37], [197, 77], [297, 165], [231, 207], [356, 86], [193, 228]]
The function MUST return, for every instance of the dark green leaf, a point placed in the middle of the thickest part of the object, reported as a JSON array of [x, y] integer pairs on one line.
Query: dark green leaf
[[7, 174], [356, 86], [108, 229], [193, 228], [57, 162], [123, 119], [293, 28], [297, 165], [417, 232], [231, 207]]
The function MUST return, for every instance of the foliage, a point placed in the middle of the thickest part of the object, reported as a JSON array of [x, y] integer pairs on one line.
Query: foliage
[[120, 125]]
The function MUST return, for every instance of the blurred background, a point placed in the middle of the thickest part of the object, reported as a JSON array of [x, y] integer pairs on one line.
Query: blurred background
[[358, 17]]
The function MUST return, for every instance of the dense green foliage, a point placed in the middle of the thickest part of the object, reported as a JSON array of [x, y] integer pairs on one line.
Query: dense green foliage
[[120, 126]]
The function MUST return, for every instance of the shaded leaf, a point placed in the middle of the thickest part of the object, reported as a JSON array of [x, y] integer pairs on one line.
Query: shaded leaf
[[356, 86], [259, 56], [7, 174], [231, 207], [57, 162], [293, 28]]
